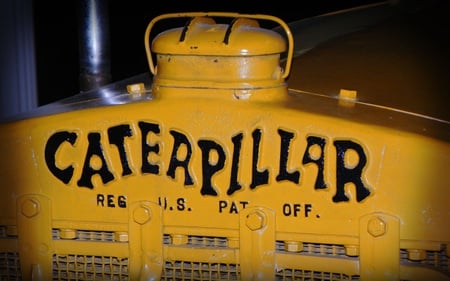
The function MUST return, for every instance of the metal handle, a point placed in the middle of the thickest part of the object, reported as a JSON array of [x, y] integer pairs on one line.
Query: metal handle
[[285, 27]]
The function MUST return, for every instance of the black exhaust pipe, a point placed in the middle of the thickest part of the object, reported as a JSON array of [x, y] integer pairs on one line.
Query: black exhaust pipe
[[94, 44]]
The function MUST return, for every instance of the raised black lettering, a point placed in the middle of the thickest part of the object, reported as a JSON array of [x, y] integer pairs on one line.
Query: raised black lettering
[[146, 128], [122, 201], [51, 147], [209, 169], [94, 149], [319, 161], [258, 177], [237, 144], [346, 175], [287, 209], [180, 139], [116, 136], [308, 208], [234, 208], [181, 204], [222, 205], [283, 174], [100, 200], [111, 201]]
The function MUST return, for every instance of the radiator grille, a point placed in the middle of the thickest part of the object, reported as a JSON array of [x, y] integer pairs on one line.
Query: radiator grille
[[196, 271], [80, 267], [200, 241], [96, 267], [303, 275], [88, 235], [436, 260], [3, 232], [316, 249], [207, 241], [9, 267]]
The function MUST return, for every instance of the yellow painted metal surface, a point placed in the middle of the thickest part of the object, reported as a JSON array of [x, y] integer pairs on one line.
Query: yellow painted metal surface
[[222, 177]]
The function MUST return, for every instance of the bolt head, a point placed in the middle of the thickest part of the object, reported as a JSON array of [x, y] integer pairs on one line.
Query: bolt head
[[376, 227], [30, 208], [255, 220], [142, 214]]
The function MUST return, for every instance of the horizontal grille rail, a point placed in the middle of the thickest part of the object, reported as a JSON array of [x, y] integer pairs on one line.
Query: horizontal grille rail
[[88, 235]]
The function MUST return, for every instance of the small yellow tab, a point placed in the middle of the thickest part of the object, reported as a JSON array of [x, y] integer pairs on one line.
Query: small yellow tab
[[352, 250], [138, 88], [347, 94], [347, 97], [416, 254], [121, 236], [293, 246], [66, 233], [179, 239]]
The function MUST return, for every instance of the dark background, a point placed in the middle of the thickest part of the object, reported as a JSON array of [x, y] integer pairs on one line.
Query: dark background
[[56, 34]]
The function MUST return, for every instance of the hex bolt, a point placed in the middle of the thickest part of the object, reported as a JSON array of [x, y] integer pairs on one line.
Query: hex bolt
[[30, 208], [142, 214], [376, 227], [255, 220]]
